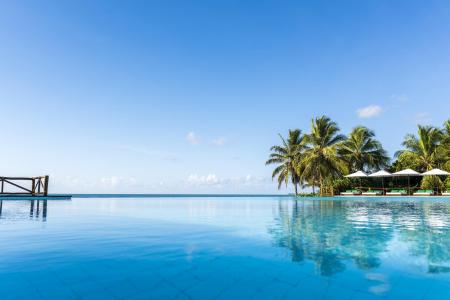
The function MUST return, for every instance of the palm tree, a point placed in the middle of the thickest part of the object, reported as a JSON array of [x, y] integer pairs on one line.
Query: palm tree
[[320, 160], [445, 144], [446, 130], [287, 157], [362, 151], [423, 152]]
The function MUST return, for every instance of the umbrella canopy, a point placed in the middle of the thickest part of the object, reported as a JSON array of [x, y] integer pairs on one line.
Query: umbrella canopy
[[357, 174], [381, 173], [406, 172], [436, 172]]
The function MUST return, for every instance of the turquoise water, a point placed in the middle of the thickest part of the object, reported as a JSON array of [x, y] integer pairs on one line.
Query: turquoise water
[[225, 248]]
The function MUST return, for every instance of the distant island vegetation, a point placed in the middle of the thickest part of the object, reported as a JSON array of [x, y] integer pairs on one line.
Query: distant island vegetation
[[322, 157]]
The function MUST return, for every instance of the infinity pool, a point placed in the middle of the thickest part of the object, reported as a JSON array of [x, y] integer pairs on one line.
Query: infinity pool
[[225, 248]]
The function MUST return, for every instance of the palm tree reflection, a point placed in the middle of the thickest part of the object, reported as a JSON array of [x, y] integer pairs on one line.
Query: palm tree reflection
[[333, 234]]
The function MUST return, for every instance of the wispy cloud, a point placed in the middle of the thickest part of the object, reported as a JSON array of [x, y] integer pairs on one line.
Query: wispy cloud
[[210, 179], [192, 138], [369, 111], [213, 180], [85, 184], [116, 181], [400, 98], [423, 118], [220, 141]]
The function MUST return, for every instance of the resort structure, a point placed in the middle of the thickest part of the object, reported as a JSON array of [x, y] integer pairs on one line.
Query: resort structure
[[395, 191]]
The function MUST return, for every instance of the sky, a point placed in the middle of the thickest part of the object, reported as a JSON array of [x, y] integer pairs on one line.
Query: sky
[[189, 96]]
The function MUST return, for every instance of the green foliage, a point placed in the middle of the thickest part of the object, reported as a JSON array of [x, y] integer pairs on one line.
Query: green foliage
[[447, 183], [320, 160], [323, 156], [361, 151], [431, 183], [342, 184], [422, 152], [406, 160], [287, 157]]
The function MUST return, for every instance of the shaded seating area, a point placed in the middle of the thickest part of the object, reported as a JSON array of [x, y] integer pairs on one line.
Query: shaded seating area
[[394, 189], [373, 193], [397, 192], [351, 193], [424, 193]]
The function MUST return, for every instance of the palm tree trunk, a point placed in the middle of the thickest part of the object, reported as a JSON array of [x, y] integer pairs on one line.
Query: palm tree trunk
[[295, 187], [321, 185]]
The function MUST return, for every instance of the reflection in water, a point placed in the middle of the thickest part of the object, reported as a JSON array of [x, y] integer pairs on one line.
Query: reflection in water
[[333, 233], [38, 209]]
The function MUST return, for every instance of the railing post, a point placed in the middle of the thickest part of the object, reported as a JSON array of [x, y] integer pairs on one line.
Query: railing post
[[33, 186], [46, 185], [3, 182]]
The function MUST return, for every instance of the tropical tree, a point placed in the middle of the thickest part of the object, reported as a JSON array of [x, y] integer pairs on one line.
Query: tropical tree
[[361, 151], [287, 156], [447, 128], [320, 160], [423, 152], [445, 145]]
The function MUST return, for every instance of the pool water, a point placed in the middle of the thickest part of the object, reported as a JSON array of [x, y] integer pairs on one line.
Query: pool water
[[225, 248]]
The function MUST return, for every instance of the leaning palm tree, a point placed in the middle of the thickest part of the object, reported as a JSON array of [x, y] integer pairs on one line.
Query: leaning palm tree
[[423, 152], [361, 151], [287, 157], [320, 160]]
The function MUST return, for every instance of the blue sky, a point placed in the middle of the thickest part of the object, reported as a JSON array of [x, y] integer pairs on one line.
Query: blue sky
[[188, 96]]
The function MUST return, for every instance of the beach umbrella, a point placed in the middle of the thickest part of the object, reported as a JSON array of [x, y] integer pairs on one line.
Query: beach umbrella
[[382, 174], [436, 172], [358, 174], [408, 173]]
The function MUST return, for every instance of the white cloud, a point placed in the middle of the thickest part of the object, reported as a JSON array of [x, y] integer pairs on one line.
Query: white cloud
[[116, 181], [214, 180], [220, 141], [369, 111], [194, 183], [192, 138], [423, 118], [210, 179], [75, 184]]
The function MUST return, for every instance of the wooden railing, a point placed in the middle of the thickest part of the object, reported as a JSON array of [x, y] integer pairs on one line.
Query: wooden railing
[[34, 186]]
